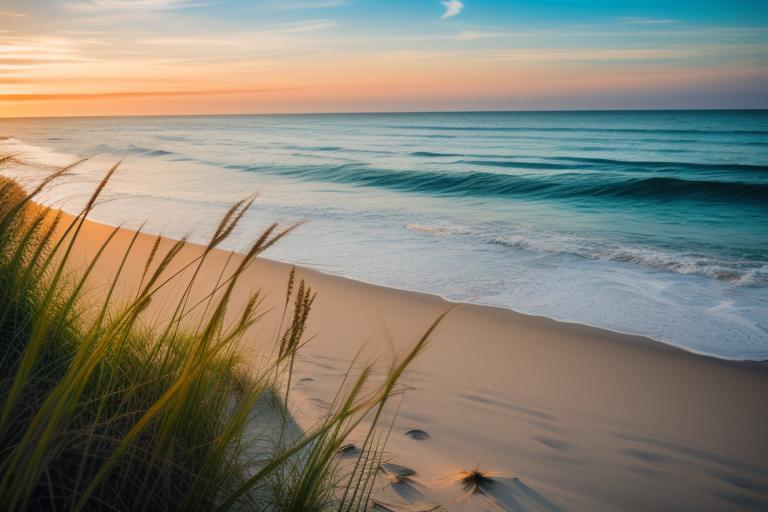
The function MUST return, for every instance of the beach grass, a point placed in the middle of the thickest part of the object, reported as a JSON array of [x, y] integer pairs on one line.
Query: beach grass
[[104, 408]]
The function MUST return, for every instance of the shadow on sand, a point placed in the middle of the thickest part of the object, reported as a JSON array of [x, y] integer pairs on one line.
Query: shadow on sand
[[509, 495]]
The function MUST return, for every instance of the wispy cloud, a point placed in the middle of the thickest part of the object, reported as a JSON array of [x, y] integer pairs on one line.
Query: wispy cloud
[[634, 20], [296, 5], [550, 55], [305, 26], [278, 36], [452, 8], [134, 94], [592, 54], [469, 35], [28, 52], [13, 14], [132, 5]]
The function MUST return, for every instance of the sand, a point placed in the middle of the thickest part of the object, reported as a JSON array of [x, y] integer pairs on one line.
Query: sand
[[566, 417]]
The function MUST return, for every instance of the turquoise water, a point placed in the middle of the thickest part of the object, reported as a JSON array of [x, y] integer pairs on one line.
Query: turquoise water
[[654, 223]]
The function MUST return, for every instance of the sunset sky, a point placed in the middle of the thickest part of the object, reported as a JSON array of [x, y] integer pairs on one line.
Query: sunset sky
[[109, 57]]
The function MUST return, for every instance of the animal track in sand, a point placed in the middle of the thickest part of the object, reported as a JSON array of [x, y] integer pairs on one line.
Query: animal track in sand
[[348, 450], [400, 481], [647, 456], [417, 434], [319, 402], [396, 471], [493, 491], [555, 444], [492, 402]]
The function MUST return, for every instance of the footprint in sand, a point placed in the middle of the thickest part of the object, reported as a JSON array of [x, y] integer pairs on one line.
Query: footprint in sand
[[417, 434], [319, 402], [647, 456], [400, 481], [397, 471], [348, 450], [554, 443], [491, 491]]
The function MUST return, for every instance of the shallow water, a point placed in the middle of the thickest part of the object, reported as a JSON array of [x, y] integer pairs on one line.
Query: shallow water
[[653, 223]]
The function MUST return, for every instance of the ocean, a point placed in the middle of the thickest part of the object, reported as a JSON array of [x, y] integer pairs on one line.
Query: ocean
[[646, 222]]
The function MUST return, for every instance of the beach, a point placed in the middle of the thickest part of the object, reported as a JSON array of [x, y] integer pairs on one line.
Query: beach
[[564, 416], [382, 256]]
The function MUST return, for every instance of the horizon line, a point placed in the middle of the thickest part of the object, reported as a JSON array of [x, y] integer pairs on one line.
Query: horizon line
[[385, 112]]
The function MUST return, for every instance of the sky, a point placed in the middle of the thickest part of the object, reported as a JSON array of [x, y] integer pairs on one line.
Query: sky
[[142, 57]]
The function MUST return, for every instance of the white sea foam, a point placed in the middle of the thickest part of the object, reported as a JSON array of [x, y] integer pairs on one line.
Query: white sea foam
[[738, 272], [38, 156], [440, 229], [528, 238]]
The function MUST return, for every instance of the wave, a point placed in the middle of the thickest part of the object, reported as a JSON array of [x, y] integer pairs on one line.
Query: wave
[[37, 155], [559, 186], [669, 131], [334, 149], [440, 229], [315, 148], [492, 184], [617, 165], [747, 273], [676, 188], [512, 162], [653, 164], [436, 136], [45, 152], [430, 154], [520, 164], [131, 149], [147, 151], [739, 273]]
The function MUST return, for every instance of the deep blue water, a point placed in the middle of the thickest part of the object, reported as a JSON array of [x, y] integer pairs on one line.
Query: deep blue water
[[647, 222]]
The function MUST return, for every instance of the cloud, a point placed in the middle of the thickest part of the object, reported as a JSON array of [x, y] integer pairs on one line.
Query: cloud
[[132, 5], [27, 52], [295, 5], [305, 26], [469, 35], [538, 55], [13, 14], [452, 8], [133, 94], [282, 35], [633, 20]]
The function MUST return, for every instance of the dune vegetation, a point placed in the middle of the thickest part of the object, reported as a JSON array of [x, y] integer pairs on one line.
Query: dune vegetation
[[103, 407]]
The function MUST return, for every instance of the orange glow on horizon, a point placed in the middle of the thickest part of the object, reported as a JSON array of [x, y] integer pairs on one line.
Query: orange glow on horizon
[[144, 64]]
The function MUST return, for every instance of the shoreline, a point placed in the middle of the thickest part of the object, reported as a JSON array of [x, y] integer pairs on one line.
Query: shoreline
[[759, 364], [571, 417]]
